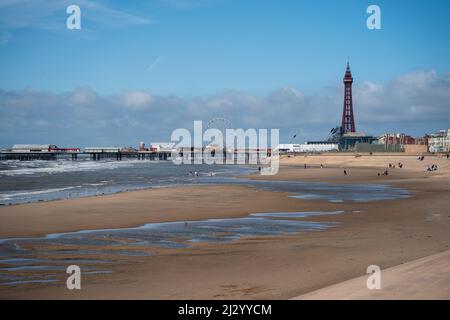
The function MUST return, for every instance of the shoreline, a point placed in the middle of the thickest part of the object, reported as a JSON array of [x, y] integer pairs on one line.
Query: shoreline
[[295, 162], [145, 206], [281, 267]]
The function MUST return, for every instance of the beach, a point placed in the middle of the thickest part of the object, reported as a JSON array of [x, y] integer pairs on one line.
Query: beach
[[387, 233]]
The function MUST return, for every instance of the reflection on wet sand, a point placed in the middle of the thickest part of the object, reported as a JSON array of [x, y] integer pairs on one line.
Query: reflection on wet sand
[[18, 256]]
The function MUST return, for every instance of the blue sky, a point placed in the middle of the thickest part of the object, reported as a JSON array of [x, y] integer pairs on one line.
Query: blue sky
[[201, 50]]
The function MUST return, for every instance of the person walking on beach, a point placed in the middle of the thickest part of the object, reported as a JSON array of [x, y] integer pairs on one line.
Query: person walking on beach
[[345, 172]]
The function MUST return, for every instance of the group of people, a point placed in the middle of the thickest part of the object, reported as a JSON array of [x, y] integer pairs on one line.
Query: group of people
[[392, 166], [432, 168]]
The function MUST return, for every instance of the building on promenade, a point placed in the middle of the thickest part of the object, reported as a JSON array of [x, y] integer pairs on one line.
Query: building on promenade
[[439, 142]]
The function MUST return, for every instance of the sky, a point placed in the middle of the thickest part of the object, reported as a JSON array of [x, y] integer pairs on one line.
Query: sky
[[137, 70]]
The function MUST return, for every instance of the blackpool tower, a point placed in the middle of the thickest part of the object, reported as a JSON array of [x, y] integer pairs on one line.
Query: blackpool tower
[[348, 120]]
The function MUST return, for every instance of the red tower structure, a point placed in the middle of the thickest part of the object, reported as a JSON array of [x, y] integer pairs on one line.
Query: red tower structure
[[348, 120]]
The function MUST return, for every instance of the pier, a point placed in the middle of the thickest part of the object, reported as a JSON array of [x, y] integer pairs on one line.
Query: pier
[[94, 154], [52, 152], [28, 152]]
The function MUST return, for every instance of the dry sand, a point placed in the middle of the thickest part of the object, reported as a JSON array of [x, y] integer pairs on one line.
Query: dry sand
[[425, 279], [387, 234]]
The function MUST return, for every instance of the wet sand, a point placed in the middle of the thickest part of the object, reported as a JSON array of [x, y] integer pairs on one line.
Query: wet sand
[[385, 233], [135, 208]]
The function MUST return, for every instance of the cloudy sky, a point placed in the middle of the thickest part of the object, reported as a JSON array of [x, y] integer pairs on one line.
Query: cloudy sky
[[138, 70]]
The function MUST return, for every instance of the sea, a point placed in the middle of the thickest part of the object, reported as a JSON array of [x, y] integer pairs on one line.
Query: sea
[[32, 181], [37, 181]]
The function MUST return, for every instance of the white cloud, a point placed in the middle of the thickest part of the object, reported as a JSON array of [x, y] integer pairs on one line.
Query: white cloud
[[136, 99], [82, 97], [421, 95], [415, 103]]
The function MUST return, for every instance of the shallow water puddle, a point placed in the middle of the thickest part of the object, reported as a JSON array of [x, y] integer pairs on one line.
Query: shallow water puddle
[[18, 255], [324, 191]]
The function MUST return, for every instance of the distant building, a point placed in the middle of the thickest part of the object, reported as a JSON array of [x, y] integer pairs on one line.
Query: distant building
[[319, 147], [28, 152], [102, 149], [128, 150], [397, 138], [22, 148], [397, 142], [40, 148], [162, 146], [440, 141], [348, 119], [308, 147], [142, 147], [346, 135], [351, 140], [288, 148]]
